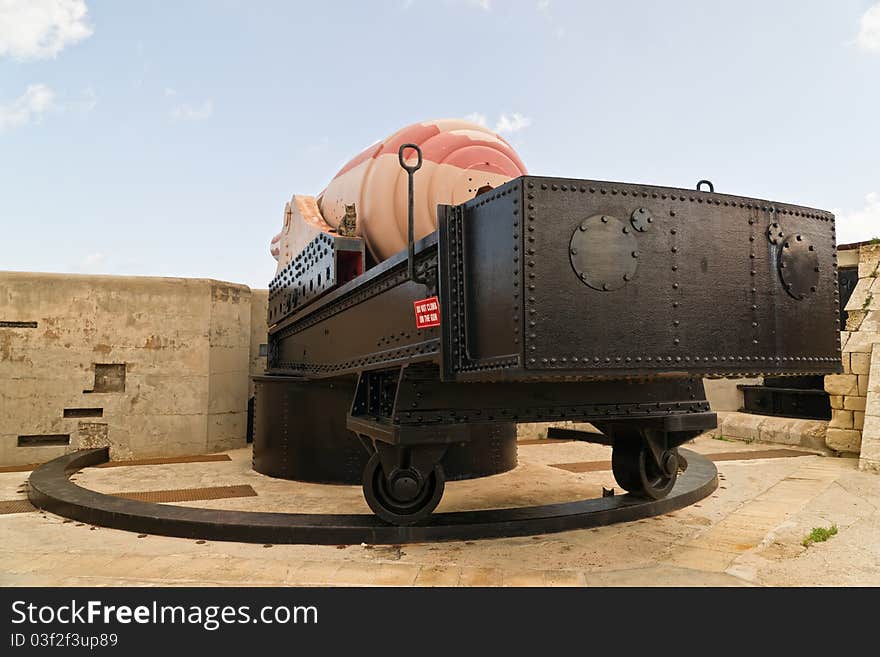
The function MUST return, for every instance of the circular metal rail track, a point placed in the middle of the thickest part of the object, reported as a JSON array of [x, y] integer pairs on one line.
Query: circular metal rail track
[[51, 489]]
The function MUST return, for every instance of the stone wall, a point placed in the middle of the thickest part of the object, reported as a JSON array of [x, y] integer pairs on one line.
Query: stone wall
[[147, 366], [725, 395], [855, 394], [259, 335]]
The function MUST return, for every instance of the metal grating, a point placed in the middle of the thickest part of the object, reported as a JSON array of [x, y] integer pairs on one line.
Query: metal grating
[[15, 506], [544, 441], [40, 440], [584, 466], [758, 454], [158, 496], [190, 494], [602, 466], [83, 412], [197, 458], [19, 468]]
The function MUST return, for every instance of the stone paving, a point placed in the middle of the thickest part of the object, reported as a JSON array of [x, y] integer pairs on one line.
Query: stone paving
[[749, 532]]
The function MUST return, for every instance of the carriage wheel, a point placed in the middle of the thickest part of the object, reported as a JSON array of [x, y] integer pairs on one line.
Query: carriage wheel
[[637, 472], [404, 497]]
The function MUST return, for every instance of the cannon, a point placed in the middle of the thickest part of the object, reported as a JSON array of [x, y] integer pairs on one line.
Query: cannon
[[435, 294]]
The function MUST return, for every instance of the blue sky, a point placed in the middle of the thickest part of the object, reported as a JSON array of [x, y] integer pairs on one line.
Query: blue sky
[[163, 138]]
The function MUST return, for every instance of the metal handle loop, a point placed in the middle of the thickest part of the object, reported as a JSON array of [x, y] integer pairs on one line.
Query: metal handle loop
[[410, 220], [706, 182], [409, 169]]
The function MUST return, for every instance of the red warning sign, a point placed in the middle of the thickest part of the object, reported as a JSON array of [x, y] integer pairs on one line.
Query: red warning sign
[[427, 312]]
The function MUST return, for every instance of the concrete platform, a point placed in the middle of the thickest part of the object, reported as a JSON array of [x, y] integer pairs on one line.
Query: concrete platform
[[747, 533]]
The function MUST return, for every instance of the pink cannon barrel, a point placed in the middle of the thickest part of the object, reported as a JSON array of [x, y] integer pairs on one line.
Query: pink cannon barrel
[[460, 160]]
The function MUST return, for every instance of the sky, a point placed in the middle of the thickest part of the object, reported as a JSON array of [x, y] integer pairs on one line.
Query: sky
[[163, 138]]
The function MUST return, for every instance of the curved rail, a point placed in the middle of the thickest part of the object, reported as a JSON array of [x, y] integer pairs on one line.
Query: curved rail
[[51, 489]]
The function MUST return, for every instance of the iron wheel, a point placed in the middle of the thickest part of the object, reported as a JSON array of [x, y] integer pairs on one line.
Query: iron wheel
[[403, 497], [637, 472]]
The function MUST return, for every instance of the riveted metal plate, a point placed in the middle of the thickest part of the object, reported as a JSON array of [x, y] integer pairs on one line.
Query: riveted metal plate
[[799, 267], [604, 252], [311, 274], [641, 219], [367, 323], [708, 297], [775, 234]]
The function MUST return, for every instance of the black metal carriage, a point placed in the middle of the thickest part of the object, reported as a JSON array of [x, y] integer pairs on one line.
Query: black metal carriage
[[544, 299]]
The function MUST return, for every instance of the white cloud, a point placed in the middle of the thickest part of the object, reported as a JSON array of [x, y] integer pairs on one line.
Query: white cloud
[[476, 117], [27, 108], [513, 123], [557, 29], [37, 101], [859, 225], [193, 111], [868, 38], [506, 124], [38, 29]]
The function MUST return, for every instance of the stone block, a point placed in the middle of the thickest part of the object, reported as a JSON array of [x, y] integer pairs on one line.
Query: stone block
[[863, 385], [860, 296], [848, 257], [870, 448], [869, 257], [837, 401], [775, 430], [841, 384], [868, 269], [869, 465], [874, 374], [843, 440], [860, 363], [791, 431], [742, 426], [858, 420], [809, 434], [853, 403], [871, 322], [872, 405], [862, 342], [854, 319], [841, 420], [846, 362]]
